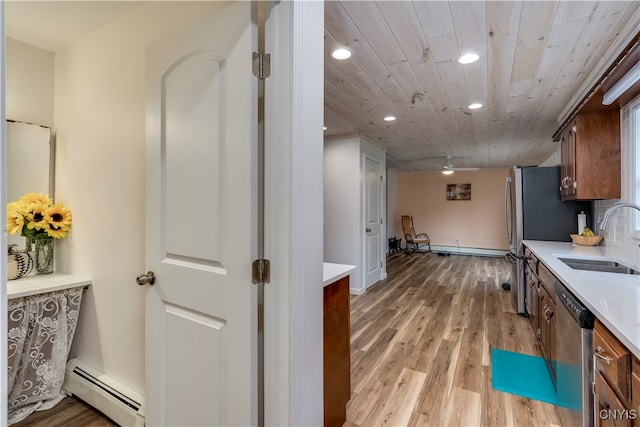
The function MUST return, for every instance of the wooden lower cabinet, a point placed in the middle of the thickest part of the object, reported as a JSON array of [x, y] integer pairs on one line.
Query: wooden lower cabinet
[[336, 352], [547, 322], [542, 305], [532, 305], [610, 410], [635, 389], [616, 380]]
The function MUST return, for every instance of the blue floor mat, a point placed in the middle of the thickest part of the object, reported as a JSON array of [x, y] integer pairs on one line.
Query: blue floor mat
[[523, 375]]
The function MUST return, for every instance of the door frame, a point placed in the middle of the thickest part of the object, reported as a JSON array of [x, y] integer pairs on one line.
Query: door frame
[[293, 213], [3, 219]]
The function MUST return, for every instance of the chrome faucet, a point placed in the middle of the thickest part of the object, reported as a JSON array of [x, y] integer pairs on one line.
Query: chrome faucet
[[607, 214]]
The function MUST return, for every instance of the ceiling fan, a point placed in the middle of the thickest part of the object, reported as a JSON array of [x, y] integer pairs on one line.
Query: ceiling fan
[[447, 166], [449, 169]]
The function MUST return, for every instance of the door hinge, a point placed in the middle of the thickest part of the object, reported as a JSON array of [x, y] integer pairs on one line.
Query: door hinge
[[380, 177], [261, 271], [380, 220], [380, 264], [261, 65]]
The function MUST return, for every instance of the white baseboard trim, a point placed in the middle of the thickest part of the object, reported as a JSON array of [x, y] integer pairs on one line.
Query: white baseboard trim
[[454, 250], [354, 291]]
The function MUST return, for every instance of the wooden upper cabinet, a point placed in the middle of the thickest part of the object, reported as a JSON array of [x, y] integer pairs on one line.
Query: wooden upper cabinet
[[590, 151], [567, 169]]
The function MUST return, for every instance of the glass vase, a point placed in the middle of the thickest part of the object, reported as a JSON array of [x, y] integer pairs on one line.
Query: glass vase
[[44, 255], [29, 245]]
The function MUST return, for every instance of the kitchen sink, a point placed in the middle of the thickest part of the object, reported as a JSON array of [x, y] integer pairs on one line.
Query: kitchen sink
[[607, 266]]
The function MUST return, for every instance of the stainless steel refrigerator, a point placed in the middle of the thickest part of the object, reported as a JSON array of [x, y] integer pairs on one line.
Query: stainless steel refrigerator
[[534, 211]]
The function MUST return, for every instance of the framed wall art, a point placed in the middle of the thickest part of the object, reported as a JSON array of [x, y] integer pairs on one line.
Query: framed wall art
[[458, 191]]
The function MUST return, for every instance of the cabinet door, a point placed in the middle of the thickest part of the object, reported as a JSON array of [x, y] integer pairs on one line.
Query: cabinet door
[[543, 312], [590, 149], [532, 305], [567, 166], [598, 155], [542, 306], [553, 354], [609, 410], [612, 361], [635, 389], [547, 320]]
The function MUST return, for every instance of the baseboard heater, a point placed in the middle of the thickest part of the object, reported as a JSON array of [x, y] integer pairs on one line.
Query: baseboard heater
[[455, 250], [121, 404]]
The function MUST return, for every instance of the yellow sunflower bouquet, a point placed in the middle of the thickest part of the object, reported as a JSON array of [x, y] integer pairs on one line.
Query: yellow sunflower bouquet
[[35, 217]]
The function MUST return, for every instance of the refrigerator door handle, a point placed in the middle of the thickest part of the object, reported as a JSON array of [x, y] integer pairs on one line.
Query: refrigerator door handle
[[508, 210]]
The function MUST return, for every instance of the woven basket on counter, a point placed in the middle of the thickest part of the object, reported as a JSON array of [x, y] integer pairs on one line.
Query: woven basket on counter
[[586, 240]]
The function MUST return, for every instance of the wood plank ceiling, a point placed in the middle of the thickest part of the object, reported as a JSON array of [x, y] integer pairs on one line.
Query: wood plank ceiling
[[534, 56]]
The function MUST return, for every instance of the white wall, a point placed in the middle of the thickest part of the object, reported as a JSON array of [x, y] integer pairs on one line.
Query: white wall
[[343, 201], [29, 83], [423, 196], [100, 123]]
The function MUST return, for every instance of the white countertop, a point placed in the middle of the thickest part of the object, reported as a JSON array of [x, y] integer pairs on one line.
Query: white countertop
[[332, 272], [39, 284], [613, 298]]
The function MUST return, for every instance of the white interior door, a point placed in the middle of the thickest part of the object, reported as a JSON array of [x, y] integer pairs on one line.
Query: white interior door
[[200, 235], [373, 221]]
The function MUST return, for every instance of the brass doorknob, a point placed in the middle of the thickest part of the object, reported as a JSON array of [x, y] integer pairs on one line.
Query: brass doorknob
[[146, 279]]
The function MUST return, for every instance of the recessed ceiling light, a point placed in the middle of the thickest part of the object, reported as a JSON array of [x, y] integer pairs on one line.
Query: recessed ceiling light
[[324, 128], [341, 53], [475, 106], [468, 58], [447, 172], [389, 118]]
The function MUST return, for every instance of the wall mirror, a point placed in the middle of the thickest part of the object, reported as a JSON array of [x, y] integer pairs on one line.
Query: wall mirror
[[30, 163]]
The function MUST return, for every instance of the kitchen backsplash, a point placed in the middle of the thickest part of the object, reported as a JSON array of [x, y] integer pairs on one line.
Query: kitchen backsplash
[[619, 230]]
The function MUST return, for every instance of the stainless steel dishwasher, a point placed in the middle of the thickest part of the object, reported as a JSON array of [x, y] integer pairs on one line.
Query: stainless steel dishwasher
[[574, 364]]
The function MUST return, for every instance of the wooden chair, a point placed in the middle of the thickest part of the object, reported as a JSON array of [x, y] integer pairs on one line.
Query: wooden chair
[[420, 242]]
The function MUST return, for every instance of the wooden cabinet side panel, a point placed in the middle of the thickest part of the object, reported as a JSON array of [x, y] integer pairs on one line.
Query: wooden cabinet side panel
[[597, 155], [337, 352]]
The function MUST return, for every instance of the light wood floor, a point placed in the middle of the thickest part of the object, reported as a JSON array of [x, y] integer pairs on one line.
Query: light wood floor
[[70, 412], [420, 344]]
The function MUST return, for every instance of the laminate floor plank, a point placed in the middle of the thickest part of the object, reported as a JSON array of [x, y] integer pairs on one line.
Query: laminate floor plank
[[450, 313], [70, 412]]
